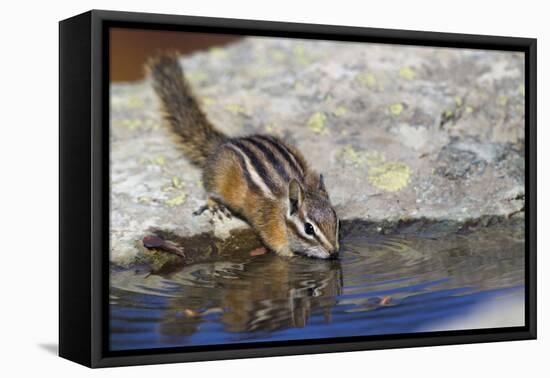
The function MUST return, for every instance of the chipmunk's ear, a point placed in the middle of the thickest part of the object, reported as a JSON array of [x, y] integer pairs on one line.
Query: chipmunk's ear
[[295, 196]]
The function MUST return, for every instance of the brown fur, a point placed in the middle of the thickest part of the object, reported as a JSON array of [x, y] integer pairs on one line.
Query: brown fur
[[181, 110], [250, 175], [224, 179]]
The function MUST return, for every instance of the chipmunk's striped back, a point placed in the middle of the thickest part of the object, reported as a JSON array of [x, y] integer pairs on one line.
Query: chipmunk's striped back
[[261, 178], [267, 163]]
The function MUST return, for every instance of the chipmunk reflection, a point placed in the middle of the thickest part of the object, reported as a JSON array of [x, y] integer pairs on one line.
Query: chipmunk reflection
[[267, 293]]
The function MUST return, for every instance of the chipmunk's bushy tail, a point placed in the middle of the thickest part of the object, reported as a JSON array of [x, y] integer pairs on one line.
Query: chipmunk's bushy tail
[[182, 111]]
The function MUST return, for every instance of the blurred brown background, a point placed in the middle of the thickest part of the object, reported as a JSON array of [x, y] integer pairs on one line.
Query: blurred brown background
[[130, 48]]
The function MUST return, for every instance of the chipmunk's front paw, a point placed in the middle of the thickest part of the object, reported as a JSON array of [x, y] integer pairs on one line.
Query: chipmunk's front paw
[[284, 252], [215, 209]]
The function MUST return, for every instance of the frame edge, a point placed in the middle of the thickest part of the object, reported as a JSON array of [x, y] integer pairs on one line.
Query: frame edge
[[98, 19], [74, 191]]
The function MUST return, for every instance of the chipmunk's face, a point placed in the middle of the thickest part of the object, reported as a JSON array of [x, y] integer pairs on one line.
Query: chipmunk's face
[[312, 223]]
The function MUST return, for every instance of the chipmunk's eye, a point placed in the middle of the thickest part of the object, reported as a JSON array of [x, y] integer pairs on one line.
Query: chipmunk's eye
[[308, 228]]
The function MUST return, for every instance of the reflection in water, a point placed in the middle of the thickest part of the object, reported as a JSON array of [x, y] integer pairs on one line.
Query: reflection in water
[[380, 285], [266, 294]]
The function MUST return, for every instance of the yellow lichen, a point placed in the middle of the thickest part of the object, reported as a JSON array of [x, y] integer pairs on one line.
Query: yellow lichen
[[390, 176], [218, 52], [301, 56], [469, 109], [176, 182], [448, 113], [386, 175], [269, 128], [340, 111], [235, 109], [299, 50], [159, 160], [135, 102], [196, 77], [299, 86], [375, 157], [396, 109], [458, 101], [349, 154], [316, 123], [502, 100], [407, 73], [207, 101], [177, 200], [131, 124], [366, 79], [278, 55], [361, 158], [262, 71], [522, 90]]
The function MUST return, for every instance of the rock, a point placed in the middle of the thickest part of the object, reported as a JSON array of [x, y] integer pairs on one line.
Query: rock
[[400, 133]]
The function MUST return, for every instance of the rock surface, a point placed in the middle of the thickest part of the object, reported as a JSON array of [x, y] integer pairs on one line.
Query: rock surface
[[400, 133]]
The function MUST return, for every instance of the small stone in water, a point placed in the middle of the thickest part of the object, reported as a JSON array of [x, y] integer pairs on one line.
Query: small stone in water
[[190, 313], [385, 301], [381, 301], [152, 241]]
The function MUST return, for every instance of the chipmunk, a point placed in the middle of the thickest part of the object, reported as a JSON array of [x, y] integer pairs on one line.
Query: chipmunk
[[259, 178]]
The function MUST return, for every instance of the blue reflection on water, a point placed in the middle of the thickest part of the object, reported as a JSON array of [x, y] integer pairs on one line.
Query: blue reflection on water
[[377, 287]]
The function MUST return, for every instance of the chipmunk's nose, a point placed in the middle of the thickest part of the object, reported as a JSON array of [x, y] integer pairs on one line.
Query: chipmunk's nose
[[334, 253]]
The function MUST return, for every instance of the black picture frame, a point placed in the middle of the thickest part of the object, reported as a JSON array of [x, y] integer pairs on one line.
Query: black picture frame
[[84, 191]]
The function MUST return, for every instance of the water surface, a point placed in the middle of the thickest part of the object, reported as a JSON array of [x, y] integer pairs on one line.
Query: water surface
[[388, 284]]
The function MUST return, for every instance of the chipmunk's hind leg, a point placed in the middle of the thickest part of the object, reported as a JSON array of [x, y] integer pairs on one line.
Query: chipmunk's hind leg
[[215, 208]]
